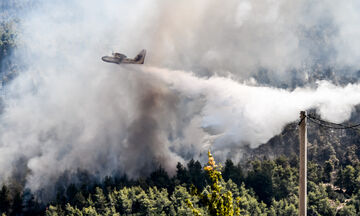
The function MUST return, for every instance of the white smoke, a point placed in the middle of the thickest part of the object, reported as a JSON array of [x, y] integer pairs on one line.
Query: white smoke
[[253, 114], [68, 110]]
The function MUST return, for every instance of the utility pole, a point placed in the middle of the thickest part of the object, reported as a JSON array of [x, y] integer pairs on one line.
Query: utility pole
[[303, 164]]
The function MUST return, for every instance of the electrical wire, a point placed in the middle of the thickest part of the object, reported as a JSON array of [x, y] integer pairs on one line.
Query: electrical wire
[[331, 124]]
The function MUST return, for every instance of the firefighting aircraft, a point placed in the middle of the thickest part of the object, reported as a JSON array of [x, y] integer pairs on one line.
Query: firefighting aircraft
[[119, 58]]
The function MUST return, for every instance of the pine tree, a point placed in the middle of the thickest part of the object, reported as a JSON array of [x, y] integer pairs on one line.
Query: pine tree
[[233, 172], [5, 200], [17, 206]]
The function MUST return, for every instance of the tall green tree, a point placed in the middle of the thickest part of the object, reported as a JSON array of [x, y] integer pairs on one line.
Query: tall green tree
[[260, 179], [235, 173]]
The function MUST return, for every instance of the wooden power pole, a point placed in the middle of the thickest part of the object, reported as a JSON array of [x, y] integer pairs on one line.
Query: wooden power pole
[[303, 164]]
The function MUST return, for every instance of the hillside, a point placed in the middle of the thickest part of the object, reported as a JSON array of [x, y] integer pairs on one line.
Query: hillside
[[324, 143]]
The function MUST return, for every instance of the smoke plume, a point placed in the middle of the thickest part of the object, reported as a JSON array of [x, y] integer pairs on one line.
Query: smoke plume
[[211, 80]]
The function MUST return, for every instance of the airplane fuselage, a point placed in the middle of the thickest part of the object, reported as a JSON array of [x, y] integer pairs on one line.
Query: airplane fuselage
[[119, 58], [111, 59]]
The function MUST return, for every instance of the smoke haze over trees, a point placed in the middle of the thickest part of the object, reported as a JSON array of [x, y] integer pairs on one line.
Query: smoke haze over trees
[[222, 75], [267, 187]]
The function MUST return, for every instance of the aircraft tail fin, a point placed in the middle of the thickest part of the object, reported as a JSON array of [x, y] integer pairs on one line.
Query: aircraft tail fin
[[140, 58]]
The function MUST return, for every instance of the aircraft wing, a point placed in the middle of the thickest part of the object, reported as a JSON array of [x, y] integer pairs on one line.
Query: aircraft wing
[[119, 55]]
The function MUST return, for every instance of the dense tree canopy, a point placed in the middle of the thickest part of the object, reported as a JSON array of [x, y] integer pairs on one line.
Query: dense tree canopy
[[266, 187]]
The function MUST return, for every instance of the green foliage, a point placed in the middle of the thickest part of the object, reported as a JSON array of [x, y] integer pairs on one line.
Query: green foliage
[[247, 204], [318, 202], [7, 37], [348, 210], [180, 200], [8, 41], [216, 198], [235, 173], [284, 207], [284, 179], [196, 173], [328, 169], [161, 195], [260, 179], [225, 198], [314, 172]]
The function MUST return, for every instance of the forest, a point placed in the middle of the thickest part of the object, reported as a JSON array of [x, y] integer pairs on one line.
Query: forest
[[261, 187]]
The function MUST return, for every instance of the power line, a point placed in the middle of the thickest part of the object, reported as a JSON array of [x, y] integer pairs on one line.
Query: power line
[[324, 125], [332, 125], [340, 125]]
